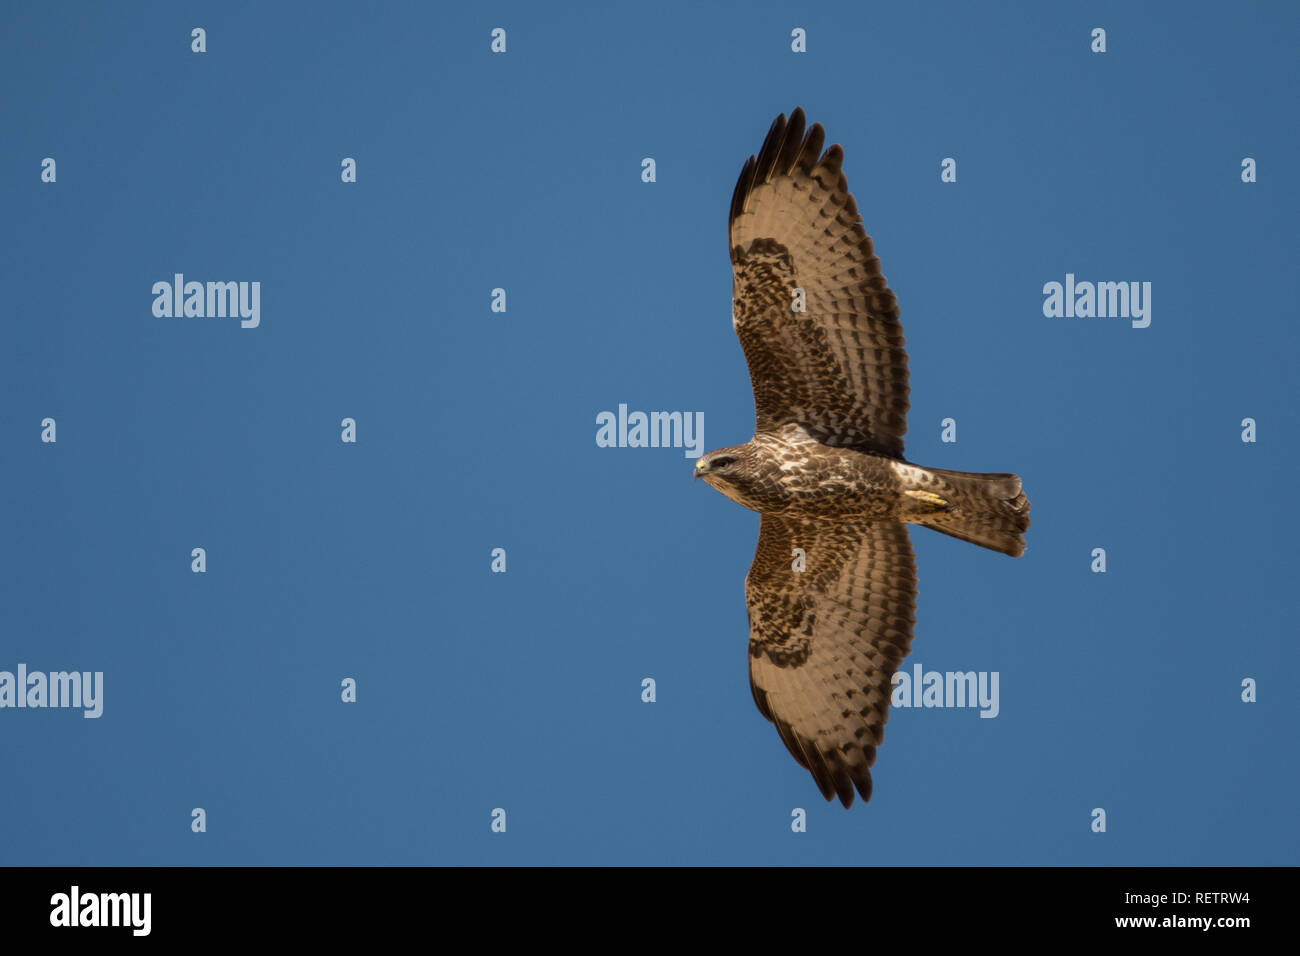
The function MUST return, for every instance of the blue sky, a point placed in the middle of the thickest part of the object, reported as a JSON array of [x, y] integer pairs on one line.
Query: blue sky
[[476, 430]]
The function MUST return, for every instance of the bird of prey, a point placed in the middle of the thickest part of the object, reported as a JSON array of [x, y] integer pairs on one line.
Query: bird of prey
[[832, 591]]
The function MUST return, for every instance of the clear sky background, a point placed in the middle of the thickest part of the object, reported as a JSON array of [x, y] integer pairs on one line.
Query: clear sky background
[[476, 430]]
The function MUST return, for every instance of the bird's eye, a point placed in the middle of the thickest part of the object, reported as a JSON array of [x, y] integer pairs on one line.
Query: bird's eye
[[721, 462]]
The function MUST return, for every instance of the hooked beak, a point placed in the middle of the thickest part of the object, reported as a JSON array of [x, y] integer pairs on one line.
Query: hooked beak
[[700, 468]]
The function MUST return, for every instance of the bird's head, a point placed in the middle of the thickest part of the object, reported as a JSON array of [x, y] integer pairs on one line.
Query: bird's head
[[730, 470], [717, 465]]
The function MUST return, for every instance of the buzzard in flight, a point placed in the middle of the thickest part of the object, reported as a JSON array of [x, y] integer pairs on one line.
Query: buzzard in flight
[[832, 590]]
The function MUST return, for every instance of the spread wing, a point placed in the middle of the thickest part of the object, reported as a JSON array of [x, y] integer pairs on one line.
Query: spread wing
[[824, 643], [839, 367]]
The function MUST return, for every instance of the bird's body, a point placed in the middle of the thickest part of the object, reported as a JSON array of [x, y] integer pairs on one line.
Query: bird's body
[[792, 473], [786, 472], [831, 593]]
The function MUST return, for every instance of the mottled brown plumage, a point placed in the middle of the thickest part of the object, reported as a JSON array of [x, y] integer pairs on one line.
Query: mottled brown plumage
[[832, 590]]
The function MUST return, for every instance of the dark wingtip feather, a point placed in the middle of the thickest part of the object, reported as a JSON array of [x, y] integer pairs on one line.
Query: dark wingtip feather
[[811, 150], [849, 777], [843, 787], [833, 160], [863, 782], [820, 771], [790, 144], [767, 156], [743, 185]]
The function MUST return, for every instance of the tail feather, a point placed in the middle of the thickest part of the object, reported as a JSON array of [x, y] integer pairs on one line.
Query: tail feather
[[989, 510]]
